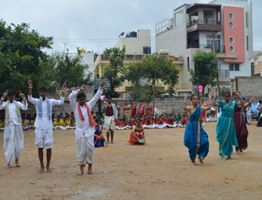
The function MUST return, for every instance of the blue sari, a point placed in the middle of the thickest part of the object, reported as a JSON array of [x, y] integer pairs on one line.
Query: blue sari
[[226, 134], [195, 138], [100, 142]]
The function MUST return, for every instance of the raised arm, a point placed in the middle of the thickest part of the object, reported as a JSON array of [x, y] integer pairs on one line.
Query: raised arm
[[3, 98], [30, 98], [24, 105], [62, 99], [184, 104], [93, 101], [215, 99], [210, 100], [249, 103], [240, 99]]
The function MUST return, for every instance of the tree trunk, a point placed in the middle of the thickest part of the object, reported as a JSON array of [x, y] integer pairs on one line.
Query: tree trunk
[[203, 91], [154, 82], [214, 46]]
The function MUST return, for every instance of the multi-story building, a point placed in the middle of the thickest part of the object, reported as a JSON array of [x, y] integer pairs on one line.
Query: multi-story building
[[136, 42], [228, 24]]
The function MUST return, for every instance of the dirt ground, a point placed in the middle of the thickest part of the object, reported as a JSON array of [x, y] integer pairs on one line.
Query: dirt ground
[[160, 169]]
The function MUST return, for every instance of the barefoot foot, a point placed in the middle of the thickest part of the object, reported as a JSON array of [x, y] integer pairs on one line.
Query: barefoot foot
[[89, 169], [9, 166], [48, 169], [193, 163], [224, 158], [41, 171], [200, 160], [17, 162], [230, 158], [81, 172], [112, 142]]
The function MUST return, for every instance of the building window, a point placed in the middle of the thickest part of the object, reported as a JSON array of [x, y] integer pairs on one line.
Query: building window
[[246, 20], [234, 67], [231, 49], [218, 16], [231, 24], [247, 42], [231, 40], [179, 18], [188, 66], [231, 16]]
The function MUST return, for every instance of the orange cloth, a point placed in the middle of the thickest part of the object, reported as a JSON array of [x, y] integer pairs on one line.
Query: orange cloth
[[148, 110], [132, 139], [141, 110]]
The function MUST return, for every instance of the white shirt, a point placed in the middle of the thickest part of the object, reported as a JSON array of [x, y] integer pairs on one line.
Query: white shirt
[[259, 107], [249, 109], [44, 122], [13, 118], [83, 128]]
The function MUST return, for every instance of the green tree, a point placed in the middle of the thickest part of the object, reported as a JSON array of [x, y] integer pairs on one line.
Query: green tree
[[205, 69], [69, 69], [108, 51], [152, 70], [115, 71], [21, 51]]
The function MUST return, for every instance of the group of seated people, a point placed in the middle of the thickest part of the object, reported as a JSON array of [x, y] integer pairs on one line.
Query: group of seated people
[[149, 122]]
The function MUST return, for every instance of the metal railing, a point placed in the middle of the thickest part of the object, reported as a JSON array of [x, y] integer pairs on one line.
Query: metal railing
[[218, 48], [224, 73], [203, 21]]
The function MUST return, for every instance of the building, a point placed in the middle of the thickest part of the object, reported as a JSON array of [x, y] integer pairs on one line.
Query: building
[[258, 64], [103, 60], [226, 23], [135, 42]]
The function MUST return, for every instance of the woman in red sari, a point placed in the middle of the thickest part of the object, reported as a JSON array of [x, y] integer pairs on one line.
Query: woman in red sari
[[133, 109], [141, 109], [204, 114], [137, 134], [148, 109]]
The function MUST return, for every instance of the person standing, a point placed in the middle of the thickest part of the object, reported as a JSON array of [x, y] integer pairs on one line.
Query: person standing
[[141, 109], [127, 110], [133, 109], [13, 132], [259, 109], [249, 114], [118, 109], [148, 108], [111, 116]]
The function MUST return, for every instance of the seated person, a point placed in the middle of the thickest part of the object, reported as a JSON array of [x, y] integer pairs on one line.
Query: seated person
[[24, 125], [31, 123], [72, 116], [65, 123], [131, 123], [184, 121], [72, 123], [99, 140], [149, 124], [57, 123], [178, 118], [137, 135], [2, 124]]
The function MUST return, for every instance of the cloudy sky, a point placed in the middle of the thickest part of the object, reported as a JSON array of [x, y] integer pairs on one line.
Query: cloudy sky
[[94, 25]]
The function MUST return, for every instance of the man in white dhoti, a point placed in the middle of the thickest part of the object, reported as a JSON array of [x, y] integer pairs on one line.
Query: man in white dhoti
[[13, 133], [85, 126], [43, 123], [111, 116]]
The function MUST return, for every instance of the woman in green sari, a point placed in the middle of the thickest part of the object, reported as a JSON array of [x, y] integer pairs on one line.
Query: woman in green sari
[[226, 134]]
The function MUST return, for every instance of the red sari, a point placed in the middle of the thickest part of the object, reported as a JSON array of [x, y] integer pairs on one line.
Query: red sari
[[137, 133], [141, 110], [203, 117], [148, 110], [133, 110]]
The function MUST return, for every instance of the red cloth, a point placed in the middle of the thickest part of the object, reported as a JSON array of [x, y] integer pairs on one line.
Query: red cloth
[[109, 111], [164, 120], [153, 121], [171, 121], [117, 123], [149, 111], [148, 122], [133, 110], [141, 110], [131, 123], [184, 121], [91, 119]]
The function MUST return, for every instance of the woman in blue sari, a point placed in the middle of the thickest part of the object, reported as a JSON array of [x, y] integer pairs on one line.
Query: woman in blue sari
[[226, 134], [195, 138]]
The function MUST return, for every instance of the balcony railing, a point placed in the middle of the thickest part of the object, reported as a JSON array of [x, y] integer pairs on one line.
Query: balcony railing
[[218, 48], [140, 57], [224, 73], [199, 21]]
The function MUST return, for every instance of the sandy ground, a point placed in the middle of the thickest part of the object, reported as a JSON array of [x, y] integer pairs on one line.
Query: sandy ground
[[160, 169]]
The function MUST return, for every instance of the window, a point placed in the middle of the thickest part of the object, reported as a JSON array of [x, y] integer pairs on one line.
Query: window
[[231, 16], [231, 24], [234, 67], [179, 18], [188, 66], [231, 49], [218, 16], [246, 20], [247, 42], [231, 40]]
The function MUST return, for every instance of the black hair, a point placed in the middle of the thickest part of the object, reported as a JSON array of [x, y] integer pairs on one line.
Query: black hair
[[260, 101], [227, 92], [138, 120], [81, 94], [193, 97], [72, 112], [97, 120], [109, 97], [42, 88], [10, 92]]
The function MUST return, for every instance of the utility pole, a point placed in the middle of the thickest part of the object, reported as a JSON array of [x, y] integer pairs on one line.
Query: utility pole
[[214, 48], [65, 46]]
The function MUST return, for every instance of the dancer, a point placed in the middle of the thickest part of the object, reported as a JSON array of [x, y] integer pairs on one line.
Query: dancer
[[13, 133], [137, 135], [196, 139], [111, 116], [226, 134], [148, 109], [133, 109], [85, 126], [240, 124], [141, 109], [43, 122]]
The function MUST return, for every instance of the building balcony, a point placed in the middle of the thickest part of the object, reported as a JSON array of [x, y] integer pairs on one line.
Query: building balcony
[[204, 25], [218, 48]]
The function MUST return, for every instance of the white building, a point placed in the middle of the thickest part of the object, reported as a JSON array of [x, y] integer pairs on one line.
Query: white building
[[192, 27]]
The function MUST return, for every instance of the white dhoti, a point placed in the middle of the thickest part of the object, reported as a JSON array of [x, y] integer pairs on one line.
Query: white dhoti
[[13, 142], [172, 126], [161, 126], [64, 127], [122, 128], [150, 126], [110, 123], [44, 138], [85, 150]]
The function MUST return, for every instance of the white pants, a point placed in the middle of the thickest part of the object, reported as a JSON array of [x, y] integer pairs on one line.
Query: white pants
[[249, 118], [161, 126], [85, 149], [13, 142], [44, 138], [110, 123], [150, 126], [122, 128], [64, 127], [172, 126]]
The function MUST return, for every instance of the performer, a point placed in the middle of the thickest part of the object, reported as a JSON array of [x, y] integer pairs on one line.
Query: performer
[[226, 134], [259, 109], [85, 126], [133, 109], [196, 139], [240, 124], [148, 109], [259, 124], [137, 135], [43, 122], [13, 133], [204, 114], [127, 110], [141, 109], [118, 109], [111, 116]]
